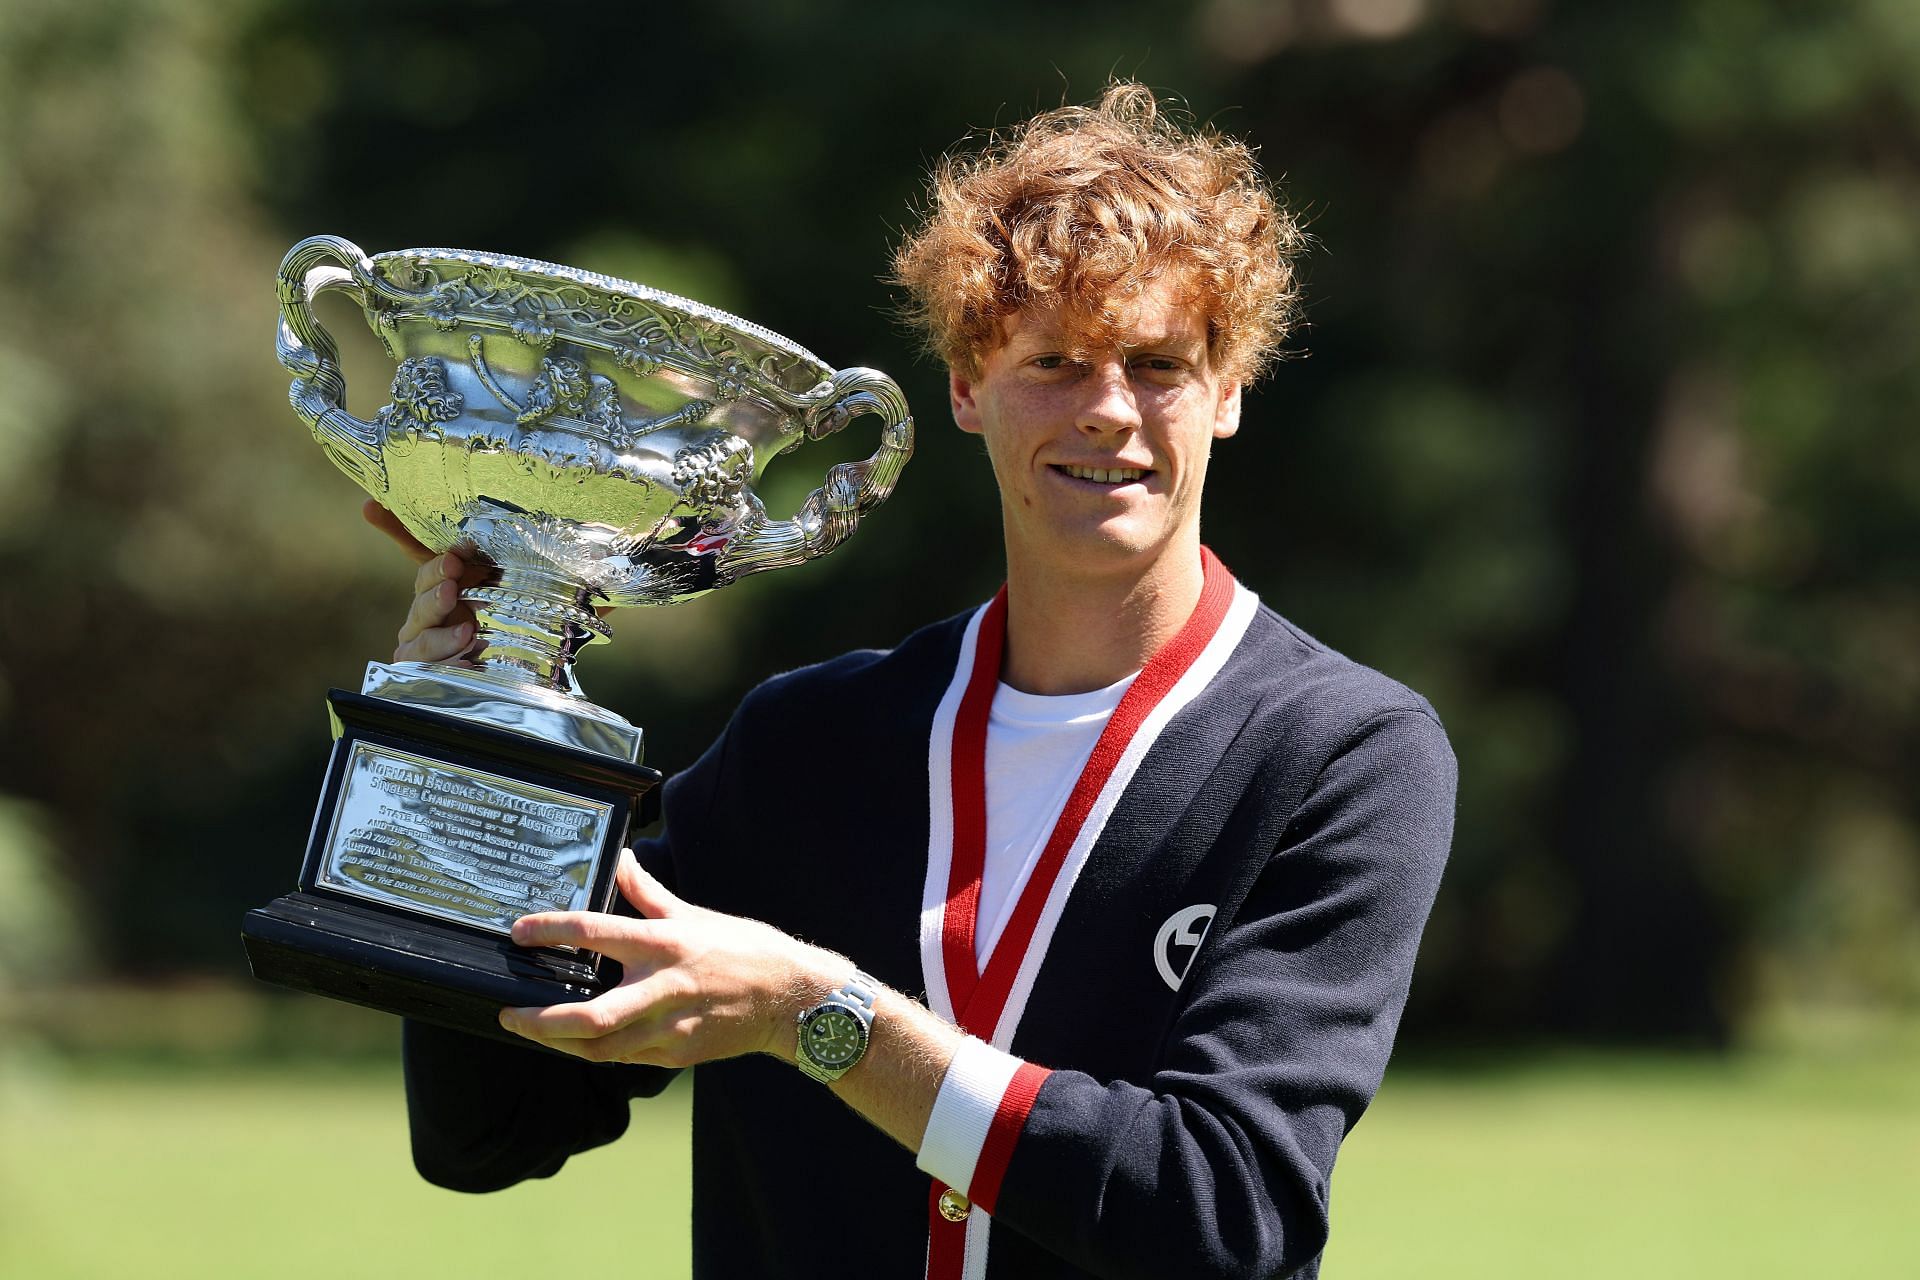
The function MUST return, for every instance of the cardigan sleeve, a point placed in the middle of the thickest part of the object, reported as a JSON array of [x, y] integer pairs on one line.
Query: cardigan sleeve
[[1219, 1163], [483, 1114]]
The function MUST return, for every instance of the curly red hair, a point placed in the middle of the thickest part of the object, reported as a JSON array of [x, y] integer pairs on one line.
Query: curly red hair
[[1079, 209]]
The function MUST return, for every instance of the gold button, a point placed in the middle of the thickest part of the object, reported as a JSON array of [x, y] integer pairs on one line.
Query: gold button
[[953, 1206]]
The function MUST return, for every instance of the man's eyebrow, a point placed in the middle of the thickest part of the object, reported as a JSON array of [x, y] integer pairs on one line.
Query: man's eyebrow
[[1031, 337], [1173, 340]]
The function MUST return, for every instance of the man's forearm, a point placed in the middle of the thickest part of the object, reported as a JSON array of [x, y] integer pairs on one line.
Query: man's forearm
[[895, 1084]]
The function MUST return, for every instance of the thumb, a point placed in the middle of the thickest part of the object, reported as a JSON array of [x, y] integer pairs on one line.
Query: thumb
[[386, 522], [638, 886]]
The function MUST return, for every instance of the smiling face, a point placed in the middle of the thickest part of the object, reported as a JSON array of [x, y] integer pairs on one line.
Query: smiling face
[[1101, 456]]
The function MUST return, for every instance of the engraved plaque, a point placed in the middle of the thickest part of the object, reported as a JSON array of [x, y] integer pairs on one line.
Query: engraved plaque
[[459, 843]]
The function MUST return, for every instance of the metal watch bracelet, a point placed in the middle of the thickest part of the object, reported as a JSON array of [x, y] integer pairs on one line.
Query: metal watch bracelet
[[854, 1000]]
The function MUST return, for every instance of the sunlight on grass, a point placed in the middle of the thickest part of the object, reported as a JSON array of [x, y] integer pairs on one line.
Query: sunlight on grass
[[295, 1176], [1779, 1165], [1636, 1166]]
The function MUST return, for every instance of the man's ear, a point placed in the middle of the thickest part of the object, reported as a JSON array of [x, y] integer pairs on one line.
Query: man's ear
[[960, 397], [1226, 415]]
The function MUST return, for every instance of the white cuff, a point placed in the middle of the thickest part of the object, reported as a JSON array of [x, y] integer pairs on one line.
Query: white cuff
[[970, 1094]]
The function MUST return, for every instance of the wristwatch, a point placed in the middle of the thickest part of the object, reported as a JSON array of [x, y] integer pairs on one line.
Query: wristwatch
[[834, 1035]]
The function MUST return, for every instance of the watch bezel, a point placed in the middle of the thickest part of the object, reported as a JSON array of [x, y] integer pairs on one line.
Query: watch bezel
[[841, 1004]]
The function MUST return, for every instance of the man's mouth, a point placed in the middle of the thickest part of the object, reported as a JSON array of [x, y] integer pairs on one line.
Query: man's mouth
[[1105, 475]]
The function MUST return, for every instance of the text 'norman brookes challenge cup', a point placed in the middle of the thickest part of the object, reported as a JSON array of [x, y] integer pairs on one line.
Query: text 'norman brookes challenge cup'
[[596, 442]]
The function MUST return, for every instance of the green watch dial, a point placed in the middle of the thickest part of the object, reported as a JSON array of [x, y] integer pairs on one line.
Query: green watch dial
[[832, 1037]]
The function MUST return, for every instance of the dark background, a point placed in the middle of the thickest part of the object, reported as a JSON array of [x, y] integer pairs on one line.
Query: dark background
[[1600, 433]]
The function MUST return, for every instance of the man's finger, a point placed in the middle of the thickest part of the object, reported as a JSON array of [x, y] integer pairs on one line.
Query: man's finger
[[451, 566], [469, 570], [629, 1019], [433, 571], [431, 608], [436, 644], [622, 936], [638, 886], [388, 523], [620, 1009], [637, 1044]]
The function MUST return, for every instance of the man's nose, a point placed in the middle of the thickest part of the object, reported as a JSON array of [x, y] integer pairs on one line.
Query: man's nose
[[1110, 403]]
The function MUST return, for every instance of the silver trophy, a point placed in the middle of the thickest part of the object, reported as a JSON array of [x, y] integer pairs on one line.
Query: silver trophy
[[597, 443]]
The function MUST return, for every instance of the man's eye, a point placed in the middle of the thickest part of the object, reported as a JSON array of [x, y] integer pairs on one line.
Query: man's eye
[[1049, 362]]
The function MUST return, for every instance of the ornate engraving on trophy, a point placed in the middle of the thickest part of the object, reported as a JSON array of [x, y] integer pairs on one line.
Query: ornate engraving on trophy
[[567, 397], [421, 397], [711, 474], [587, 304], [458, 843], [565, 389]]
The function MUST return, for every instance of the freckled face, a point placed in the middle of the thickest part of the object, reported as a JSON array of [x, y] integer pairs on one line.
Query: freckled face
[[1101, 458]]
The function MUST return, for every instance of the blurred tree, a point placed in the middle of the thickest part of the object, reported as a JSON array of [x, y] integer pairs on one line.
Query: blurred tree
[[40, 933], [168, 562], [1616, 337], [1603, 438]]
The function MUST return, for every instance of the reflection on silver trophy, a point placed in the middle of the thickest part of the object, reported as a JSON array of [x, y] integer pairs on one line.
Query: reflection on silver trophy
[[597, 442]]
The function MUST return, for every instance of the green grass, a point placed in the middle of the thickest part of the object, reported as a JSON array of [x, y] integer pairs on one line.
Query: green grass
[[1773, 1166], [289, 1176], [1641, 1167]]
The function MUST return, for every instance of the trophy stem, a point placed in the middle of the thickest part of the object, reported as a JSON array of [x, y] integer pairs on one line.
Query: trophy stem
[[529, 627]]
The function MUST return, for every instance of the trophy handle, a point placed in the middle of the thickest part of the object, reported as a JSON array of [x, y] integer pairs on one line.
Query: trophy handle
[[851, 489], [319, 390]]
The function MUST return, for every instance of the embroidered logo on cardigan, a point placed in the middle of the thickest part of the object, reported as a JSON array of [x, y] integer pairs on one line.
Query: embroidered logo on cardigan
[[1179, 941]]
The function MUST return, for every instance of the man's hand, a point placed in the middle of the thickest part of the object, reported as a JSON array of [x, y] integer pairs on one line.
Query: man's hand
[[699, 985], [438, 627]]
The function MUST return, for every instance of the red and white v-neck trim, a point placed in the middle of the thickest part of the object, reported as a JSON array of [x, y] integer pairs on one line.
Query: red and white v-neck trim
[[987, 999], [1037, 744]]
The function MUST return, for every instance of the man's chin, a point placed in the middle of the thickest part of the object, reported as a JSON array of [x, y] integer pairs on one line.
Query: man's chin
[[1111, 547]]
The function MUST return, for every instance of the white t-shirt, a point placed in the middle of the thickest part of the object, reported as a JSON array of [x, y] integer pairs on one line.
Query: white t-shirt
[[1036, 747]]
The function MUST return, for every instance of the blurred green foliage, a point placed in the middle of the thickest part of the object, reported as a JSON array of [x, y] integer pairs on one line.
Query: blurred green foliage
[[39, 933], [1602, 434]]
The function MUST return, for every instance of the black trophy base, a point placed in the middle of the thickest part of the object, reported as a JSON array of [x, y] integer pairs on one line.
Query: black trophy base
[[414, 968], [372, 950]]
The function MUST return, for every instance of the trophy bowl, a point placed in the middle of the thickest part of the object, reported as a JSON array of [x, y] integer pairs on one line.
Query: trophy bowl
[[595, 440], [594, 443]]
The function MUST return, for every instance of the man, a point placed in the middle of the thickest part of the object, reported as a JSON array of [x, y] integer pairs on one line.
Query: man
[[1157, 860]]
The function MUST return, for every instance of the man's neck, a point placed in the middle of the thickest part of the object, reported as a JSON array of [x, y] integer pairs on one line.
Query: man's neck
[[1071, 632]]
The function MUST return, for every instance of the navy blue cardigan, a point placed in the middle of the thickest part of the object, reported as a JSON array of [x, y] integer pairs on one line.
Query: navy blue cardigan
[[1186, 1132]]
